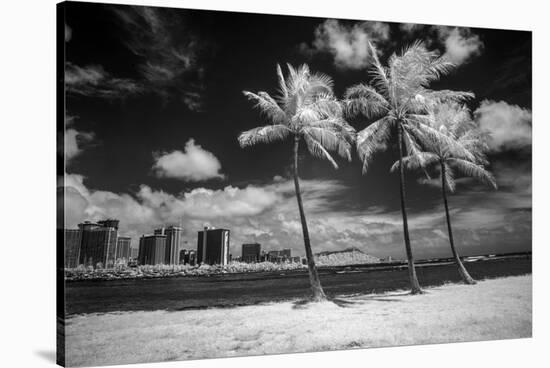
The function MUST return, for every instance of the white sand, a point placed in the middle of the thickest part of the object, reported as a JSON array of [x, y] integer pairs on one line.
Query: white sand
[[492, 309]]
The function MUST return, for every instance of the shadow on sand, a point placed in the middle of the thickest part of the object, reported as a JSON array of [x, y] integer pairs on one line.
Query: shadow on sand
[[350, 302]]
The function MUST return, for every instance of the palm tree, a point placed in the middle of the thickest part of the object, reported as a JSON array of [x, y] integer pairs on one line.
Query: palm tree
[[398, 99], [459, 147], [304, 109]]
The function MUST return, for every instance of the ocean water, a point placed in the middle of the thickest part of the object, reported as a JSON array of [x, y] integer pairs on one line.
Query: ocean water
[[179, 293]]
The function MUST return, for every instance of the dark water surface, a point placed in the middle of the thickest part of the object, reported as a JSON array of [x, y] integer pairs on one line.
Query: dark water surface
[[178, 293]]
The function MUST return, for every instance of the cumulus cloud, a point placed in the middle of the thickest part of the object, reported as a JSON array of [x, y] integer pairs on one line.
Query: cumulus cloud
[[207, 204], [348, 44], [461, 44], [268, 214], [74, 141], [140, 212], [194, 164], [510, 126]]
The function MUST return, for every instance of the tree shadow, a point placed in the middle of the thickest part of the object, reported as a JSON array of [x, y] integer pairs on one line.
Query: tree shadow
[[340, 302], [343, 303], [363, 299]]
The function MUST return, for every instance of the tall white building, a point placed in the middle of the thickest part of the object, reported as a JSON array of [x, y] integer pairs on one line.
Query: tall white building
[[173, 243]]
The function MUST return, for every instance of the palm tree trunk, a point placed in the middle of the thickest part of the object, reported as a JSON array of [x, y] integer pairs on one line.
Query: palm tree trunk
[[415, 286], [317, 290], [463, 272]]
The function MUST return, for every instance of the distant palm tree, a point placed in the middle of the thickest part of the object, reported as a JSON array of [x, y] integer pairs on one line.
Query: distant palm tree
[[459, 147], [399, 98], [305, 109]]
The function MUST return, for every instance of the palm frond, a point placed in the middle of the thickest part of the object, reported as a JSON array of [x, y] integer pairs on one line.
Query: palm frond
[[446, 95], [320, 83], [317, 149], [476, 141], [410, 138], [297, 80], [378, 73], [268, 106], [283, 90], [364, 99], [449, 178], [438, 67], [421, 160], [264, 134], [436, 141], [337, 125], [326, 105], [373, 139], [330, 139], [473, 170]]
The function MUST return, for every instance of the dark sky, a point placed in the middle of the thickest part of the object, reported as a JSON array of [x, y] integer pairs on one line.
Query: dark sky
[[155, 105]]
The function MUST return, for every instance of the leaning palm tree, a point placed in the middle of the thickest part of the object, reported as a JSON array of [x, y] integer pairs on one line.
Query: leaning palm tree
[[305, 109], [458, 148], [398, 99]]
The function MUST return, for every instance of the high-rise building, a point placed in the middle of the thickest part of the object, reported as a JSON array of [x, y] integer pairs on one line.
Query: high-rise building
[[214, 247], [73, 240], [134, 252], [173, 240], [152, 249], [278, 256], [99, 242], [285, 253], [123, 247], [192, 257], [251, 252], [183, 256]]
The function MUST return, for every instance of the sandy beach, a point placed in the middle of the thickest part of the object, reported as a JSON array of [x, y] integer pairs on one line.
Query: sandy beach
[[492, 309]]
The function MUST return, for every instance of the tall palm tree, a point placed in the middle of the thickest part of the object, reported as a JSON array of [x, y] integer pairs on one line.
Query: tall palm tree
[[458, 148], [304, 109], [398, 99]]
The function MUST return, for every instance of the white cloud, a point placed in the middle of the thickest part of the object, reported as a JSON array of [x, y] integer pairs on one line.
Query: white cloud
[[71, 146], [194, 164], [509, 125], [74, 141], [348, 45], [461, 44], [268, 214], [202, 203], [148, 208]]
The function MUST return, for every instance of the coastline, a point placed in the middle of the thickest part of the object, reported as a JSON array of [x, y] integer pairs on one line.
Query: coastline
[[267, 268]]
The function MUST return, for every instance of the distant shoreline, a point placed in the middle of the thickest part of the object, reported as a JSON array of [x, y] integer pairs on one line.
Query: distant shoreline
[[160, 272]]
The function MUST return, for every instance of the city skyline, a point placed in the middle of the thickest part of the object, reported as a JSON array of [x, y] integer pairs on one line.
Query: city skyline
[[153, 115], [170, 242]]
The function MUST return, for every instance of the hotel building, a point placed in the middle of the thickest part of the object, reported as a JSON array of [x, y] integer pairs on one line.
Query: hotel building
[[213, 248]]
